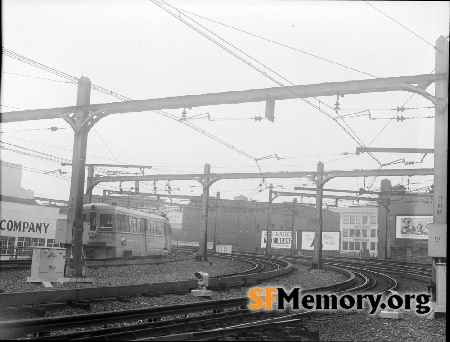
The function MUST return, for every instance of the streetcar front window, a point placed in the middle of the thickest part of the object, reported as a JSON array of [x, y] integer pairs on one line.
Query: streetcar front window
[[92, 221], [106, 222]]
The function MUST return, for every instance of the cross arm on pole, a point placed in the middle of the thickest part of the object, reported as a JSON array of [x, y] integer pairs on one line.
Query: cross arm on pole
[[402, 83]]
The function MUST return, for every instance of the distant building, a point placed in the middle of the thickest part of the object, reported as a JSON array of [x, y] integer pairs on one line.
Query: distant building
[[241, 198], [359, 229], [23, 222], [242, 224]]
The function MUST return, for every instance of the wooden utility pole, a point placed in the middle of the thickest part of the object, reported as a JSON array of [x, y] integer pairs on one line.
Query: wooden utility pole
[[317, 258], [75, 212]]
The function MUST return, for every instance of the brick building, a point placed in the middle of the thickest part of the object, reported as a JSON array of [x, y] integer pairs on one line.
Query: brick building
[[241, 223], [409, 246]]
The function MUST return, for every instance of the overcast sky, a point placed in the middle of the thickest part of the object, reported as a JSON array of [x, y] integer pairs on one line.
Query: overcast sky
[[140, 51]]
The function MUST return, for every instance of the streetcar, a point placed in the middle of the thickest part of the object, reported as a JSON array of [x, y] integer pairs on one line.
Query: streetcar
[[116, 232]]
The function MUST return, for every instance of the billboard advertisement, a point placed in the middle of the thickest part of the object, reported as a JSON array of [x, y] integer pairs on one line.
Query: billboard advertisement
[[330, 241], [280, 239], [412, 226]]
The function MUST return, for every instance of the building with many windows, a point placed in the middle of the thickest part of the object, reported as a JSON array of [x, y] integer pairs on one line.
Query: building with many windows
[[359, 229], [23, 222]]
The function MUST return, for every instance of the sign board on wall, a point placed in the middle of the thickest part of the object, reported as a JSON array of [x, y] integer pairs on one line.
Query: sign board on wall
[[175, 219], [412, 227], [330, 241], [280, 239]]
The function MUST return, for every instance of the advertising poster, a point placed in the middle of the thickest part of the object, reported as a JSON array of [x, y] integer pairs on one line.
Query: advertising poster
[[330, 241], [280, 239], [412, 227]]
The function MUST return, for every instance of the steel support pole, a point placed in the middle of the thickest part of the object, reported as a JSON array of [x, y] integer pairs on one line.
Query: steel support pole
[[203, 243], [215, 221], [75, 210], [383, 217], [294, 202], [89, 191], [440, 141], [317, 258], [269, 223]]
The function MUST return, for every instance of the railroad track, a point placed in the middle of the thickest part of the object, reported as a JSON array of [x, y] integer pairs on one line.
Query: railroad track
[[212, 319], [206, 320]]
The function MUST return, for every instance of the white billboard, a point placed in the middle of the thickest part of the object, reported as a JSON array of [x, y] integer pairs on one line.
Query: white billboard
[[175, 219], [412, 227], [330, 241], [280, 239]]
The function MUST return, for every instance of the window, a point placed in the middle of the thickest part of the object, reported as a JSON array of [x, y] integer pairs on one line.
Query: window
[[37, 242], [373, 219], [351, 246], [358, 219], [373, 233], [131, 224], [364, 232], [345, 232], [159, 228], [106, 221], [7, 245], [373, 246], [364, 219], [352, 219], [152, 228], [143, 225], [346, 219], [120, 223], [51, 243], [127, 223], [24, 242], [345, 246], [357, 246], [363, 245], [352, 233], [358, 232], [93, 220]]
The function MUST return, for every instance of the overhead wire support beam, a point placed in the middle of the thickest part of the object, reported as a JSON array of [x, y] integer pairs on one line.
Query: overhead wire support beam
[[393, 150], [299, 174], [402, 83]]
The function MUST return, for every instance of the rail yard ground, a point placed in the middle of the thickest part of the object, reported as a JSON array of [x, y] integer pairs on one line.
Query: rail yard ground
[[359, 326]]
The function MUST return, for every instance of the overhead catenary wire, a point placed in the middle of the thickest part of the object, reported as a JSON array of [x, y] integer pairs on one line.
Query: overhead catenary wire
[[26, 60], [42, 78], [349, 131], [434, 47]]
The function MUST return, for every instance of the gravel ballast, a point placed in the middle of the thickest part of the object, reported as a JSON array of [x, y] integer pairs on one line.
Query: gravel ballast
[[127, 275]]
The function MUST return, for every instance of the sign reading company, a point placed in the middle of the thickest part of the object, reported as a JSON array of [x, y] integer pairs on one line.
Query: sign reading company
[[330, 241], [412, 227], [280, 239], [24, 226]]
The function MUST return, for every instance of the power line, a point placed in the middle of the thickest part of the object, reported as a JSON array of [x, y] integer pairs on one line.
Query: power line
[[105, 144], [353, 135], [53, 128], [42, 78], [434, 47], [26, 60]]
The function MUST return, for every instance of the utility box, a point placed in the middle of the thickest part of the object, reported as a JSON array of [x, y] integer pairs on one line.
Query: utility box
[[224, 249], [437, 240], [64, 233], [47, 264]]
